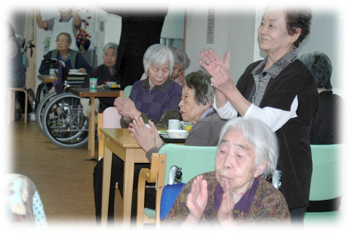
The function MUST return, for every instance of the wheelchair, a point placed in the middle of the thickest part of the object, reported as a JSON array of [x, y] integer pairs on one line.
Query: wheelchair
[[60, 114]]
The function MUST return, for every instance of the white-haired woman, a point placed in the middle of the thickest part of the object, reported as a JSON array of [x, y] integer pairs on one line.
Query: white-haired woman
[[157, 98], [235, 192]]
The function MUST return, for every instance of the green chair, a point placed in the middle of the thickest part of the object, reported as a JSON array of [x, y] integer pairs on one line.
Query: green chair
[[326, 183], [127, 91], [193, 160]]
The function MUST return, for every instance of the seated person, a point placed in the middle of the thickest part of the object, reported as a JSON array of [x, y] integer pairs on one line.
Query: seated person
[[182, 62], [325, 128], [156, 98], [235, 193], [104, 73], [73, 59], [195, 107]]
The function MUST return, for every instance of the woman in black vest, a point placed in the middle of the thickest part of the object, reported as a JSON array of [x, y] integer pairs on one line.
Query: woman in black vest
[[73, 59]]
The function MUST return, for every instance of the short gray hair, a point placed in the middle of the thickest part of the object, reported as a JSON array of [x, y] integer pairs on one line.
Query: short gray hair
[[110, 45], [320, 66], [67, 35], [181, 57], [199, 81], [158, 54], [263, 139]]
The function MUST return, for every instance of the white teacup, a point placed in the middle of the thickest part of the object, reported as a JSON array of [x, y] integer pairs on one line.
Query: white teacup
[[173, 124]]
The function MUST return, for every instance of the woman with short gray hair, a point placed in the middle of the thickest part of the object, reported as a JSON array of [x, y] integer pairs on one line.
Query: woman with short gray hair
[[235, 193]]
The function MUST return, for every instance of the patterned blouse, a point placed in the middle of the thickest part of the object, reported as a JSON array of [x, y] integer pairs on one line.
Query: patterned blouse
[[265, 206]]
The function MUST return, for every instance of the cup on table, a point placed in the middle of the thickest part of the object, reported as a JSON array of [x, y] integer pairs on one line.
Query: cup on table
[[173, 124], [52, 71], [93, 83]]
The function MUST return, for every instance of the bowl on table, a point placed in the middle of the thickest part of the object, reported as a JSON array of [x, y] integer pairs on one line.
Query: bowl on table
[[178, 134]]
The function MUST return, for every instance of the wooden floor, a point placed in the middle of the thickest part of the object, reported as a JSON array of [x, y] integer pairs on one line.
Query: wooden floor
[[63, 177]]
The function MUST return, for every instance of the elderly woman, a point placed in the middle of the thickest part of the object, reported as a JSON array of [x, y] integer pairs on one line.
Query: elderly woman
[[281, 92], [104, 73], [182, 62], [156, 98], [195, 107], [235, 192], [325, 128], [72, 58]]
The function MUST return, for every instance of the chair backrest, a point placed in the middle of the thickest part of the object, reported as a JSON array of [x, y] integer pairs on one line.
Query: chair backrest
[[193, 160], [127, 91], [326, 175], [111, 118]]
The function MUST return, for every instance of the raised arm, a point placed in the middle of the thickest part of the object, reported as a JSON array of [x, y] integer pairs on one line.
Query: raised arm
[[41, 24]]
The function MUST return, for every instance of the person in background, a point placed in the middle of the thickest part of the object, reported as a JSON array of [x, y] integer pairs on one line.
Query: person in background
[[182, 62], [104, 73], [281, 92], [325, 128], [72, 59], [196, 108], [236, 193], [156, 98], [16, 71], [69, 21]]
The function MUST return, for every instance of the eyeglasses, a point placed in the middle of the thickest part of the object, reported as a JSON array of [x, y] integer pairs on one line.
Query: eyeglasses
[[63, 41]]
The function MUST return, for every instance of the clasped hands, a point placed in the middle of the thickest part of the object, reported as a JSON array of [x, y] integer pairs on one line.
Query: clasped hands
[[126, 107], [218, 69], [197, 201]]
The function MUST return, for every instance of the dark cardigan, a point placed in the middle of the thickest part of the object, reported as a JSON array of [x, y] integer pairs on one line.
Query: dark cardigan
[[295, 160]]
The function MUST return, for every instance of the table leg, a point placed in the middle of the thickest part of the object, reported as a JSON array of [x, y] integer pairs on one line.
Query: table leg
[[106, 180], [129, 166], [92, 127]]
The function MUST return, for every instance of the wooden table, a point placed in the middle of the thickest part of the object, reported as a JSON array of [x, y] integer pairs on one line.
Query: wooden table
[[120, 142], [92, 94]]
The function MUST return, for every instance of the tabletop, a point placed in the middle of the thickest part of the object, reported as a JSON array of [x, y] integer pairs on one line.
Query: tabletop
[[99, 92]]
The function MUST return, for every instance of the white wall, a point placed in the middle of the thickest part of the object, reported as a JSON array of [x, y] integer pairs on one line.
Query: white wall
[[236, 31]]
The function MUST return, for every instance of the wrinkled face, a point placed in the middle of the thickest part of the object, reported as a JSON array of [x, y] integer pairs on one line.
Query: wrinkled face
[[273, 34], [178, 70], [235, 162], [109, 57], [190, 111], [62, 43], [158, 74]]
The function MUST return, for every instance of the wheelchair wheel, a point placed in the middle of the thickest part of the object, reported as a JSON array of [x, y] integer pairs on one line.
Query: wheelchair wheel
[[40, 109], [31, 99], [64, 122], [42, 90]]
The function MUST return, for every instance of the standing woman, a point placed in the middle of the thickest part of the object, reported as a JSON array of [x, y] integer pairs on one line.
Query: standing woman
[[14, 70], [69, 21], [281, 92]]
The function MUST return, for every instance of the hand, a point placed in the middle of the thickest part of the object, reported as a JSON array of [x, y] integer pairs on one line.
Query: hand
[[145, 137], [227, 206], [218, 69], [126, 108], [197, 199], [82, 70]]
